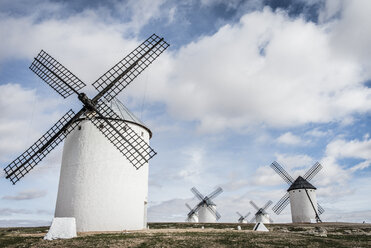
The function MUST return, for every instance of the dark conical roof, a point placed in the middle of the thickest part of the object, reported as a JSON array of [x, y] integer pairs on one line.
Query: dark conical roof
[[301, 183]]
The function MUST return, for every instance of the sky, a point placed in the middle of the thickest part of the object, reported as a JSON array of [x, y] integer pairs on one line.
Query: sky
[[243, 84]]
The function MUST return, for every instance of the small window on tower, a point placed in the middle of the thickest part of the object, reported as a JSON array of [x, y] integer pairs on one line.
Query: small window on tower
[[79, 128], [142, 134], [299, 190]]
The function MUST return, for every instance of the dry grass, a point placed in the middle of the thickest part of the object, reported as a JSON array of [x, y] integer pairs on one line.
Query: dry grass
[[192, 235]]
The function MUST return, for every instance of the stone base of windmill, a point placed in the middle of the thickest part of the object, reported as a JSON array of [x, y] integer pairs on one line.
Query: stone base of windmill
[[260, 227], [62, 228]]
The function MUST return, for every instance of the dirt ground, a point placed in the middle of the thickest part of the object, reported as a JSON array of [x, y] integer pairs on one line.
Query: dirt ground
[[202, 235]]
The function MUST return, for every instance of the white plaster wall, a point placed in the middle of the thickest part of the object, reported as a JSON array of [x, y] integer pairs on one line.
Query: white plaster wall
[[263, 218], [193, 219], [301, 208], [205, 215], [98, 185]]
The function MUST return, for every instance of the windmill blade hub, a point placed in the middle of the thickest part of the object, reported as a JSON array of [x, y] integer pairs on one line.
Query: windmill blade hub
[[88, 104]]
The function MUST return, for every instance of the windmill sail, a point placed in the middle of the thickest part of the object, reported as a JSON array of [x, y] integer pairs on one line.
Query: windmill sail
[[125, 71], [281, 204], [215, 193], [312, 171], [281, 171], [37, 152], [124, 138], [197, 193], [267, 205], [56, 75], [320, 209], [254, 205]]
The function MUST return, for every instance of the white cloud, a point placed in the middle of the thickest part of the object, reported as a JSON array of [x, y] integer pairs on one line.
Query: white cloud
[[332, 173], [141, 12], [223, 81], [295, 165], [10, 211], [351, 34], [230, 4], [331, 193], [291, 162], [340, 148], [362, 165], [330, 10], [235, 184], [24, 114], [193, 165], [83, 43], [26, 195], [267, 69], [335, 174], [264, 175], [317, 133], [44, 212], [290, 139], [355, 148], [172, 13]]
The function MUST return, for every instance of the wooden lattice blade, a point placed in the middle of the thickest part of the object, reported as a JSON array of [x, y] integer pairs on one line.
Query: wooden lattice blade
[[56, 75], [124, 72], [122, 136], [38, 151]]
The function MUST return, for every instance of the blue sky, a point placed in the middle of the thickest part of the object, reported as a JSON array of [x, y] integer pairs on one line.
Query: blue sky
[[243, 83]]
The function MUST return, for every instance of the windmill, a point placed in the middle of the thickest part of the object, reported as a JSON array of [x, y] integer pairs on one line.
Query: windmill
[[96, 169], [242, 219], [301, 195], [192, 216], [206, 208], [261, 214]]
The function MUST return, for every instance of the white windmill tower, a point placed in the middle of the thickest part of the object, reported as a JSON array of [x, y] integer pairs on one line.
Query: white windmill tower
[[99, 185], [301, 195], [242, 219], [261, 214], [206, 208], [103, 190], [192, 216]]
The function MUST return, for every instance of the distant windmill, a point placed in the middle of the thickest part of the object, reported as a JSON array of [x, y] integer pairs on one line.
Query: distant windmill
[[301, 195], [261, 215], [192, 216], [242, 219], [98, 186], [206, 208]]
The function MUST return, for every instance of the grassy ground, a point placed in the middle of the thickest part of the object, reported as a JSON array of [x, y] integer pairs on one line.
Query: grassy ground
[[193, 235]]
